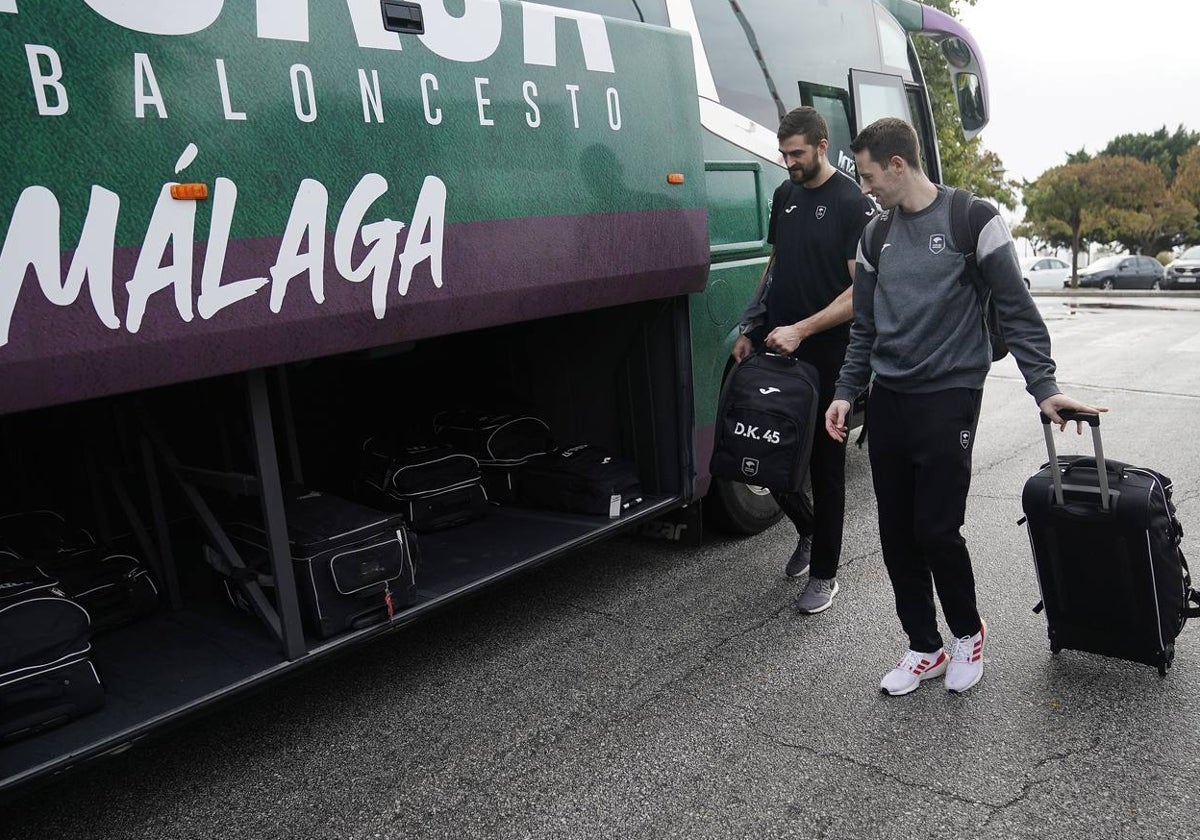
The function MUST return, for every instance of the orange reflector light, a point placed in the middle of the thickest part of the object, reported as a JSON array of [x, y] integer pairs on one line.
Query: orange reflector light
[[675, 178], [189, 192]]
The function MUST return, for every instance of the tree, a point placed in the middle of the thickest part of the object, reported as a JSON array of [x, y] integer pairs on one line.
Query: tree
[[1187, 186], [965, 163], [1160, 148], [1144, 216], [1072, 204]]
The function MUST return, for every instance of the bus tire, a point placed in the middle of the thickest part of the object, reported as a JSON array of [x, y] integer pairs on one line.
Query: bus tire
[[737, 508]]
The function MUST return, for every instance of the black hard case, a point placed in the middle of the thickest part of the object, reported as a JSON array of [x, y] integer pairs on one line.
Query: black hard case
[[580, 479], [354, 565], [46, 676], [434, 487], [1105, 544], [765, 422]]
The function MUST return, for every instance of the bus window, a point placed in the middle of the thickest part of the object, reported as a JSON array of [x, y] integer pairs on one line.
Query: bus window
[[878, 95], [925, 133], [834, 105], [741, 79], [643, 11]]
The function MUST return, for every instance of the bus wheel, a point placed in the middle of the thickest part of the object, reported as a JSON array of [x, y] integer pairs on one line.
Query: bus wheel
[[738, 508]]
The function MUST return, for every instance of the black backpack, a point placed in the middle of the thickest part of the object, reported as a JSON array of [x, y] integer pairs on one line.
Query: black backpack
[[963, 233]]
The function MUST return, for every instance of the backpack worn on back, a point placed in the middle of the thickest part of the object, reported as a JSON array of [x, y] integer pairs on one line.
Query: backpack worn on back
[[966, 239]]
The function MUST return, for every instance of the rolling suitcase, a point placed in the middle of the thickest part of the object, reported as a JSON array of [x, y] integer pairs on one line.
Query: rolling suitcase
[[1105, 544], [434, 487], [765, 421]]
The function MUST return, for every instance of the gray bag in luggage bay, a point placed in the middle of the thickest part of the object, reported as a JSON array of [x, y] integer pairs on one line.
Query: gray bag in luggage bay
[[1106, 547], [765, 422]]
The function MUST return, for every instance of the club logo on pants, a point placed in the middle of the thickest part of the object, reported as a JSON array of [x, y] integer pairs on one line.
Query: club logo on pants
[[750, 467], [937, 243], [964, 438]]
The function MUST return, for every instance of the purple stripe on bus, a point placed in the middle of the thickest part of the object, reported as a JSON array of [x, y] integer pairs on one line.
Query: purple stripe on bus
[[495, 272]]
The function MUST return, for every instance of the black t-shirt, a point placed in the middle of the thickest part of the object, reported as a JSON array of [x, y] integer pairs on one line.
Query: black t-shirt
[[814, 231]]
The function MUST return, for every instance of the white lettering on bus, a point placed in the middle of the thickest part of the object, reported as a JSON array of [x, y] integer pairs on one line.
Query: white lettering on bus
[[306, 111], [614, 108], [572, 90], [481, 101], [145, 88], [306, 222], [155, 17], [429, 82], [541, 48], [474, 35], [171, 231], [213, 295], [226, 100], [46, 81], [533, 117], [165, 260], [372, 101]]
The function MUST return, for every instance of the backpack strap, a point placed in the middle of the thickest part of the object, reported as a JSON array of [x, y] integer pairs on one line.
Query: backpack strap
[[879, 233], [966, 238]]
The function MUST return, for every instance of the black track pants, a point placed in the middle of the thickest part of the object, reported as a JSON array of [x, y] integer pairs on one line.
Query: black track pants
[[821, 517], [920, 448]]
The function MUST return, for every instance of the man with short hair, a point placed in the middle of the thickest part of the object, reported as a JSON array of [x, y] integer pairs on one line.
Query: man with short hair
[[918, 326], [817, 215]]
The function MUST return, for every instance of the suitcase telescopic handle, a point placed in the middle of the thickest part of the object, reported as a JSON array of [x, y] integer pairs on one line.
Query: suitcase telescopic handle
[[1092, 420]]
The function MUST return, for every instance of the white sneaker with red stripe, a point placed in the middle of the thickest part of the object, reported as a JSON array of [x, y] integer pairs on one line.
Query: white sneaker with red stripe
[[966, 661], [912, 670]]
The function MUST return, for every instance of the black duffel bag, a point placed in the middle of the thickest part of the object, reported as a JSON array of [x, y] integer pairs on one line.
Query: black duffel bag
[[580, 479], [354, 566], [433, 486], [46, 675], [500, 441], [765, 422], [115, 588]]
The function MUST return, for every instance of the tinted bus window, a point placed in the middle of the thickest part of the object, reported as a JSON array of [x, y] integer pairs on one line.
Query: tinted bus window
[[741, 80], [643, 11]]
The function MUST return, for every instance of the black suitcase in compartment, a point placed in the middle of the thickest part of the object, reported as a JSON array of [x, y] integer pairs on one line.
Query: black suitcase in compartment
[[501, 443], [354, 566], [114, 588], [46, 676], [433, 486], [765, 420], [581, 479], [1105, 544]]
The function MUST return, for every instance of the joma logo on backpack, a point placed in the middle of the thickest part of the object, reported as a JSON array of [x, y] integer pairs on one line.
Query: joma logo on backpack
[[753, 432]]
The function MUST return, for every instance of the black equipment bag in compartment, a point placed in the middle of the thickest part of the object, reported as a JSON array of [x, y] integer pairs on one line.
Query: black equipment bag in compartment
[[114, 588], [433, 486], [354, 565], [46, 677], [581, 479], [765, 422], [1105, 544], [501, 443]]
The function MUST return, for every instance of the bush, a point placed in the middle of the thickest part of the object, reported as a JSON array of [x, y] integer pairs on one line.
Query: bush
[[1164, 257]]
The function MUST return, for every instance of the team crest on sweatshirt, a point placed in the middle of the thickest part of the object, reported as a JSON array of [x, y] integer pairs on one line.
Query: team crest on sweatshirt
[[821, 212], [937, 243]]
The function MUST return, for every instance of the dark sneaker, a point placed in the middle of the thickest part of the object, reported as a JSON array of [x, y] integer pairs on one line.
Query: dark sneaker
[[797, 564], [817, 595]]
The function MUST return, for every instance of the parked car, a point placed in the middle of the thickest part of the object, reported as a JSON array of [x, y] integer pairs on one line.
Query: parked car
[[1121, 272], [1184, 273], [1045, 272]]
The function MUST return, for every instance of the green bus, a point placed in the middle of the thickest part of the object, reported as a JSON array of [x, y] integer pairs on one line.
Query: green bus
[[239, 239]]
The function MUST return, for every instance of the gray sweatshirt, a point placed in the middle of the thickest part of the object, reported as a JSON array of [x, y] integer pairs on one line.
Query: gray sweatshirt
[[917, 321]]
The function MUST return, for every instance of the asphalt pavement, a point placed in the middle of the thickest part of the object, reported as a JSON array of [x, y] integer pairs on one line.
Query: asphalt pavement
[[644, 690]]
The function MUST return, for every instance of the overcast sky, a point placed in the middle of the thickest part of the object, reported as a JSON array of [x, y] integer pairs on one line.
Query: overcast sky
[[1071, 74]]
